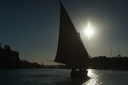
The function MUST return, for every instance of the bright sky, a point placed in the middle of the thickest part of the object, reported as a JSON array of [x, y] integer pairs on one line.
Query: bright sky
[[32, 27]]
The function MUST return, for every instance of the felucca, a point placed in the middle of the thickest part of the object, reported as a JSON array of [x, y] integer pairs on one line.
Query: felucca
[[71, 50]]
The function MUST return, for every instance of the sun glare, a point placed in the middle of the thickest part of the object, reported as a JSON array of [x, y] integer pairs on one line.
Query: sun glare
[[89, 31]]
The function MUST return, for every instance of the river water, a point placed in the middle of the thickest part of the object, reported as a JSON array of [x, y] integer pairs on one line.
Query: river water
[[61, 77]]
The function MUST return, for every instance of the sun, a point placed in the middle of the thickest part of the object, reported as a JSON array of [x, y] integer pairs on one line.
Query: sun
[[89, 31]]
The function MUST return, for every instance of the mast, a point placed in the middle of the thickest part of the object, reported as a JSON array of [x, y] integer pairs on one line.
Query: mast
[[111, 51], [79, 53]]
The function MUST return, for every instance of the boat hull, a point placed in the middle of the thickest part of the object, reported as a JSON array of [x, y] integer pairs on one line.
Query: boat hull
[[79, 73]]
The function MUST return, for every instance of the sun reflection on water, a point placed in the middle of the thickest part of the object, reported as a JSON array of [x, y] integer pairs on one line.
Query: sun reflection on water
[[93, 78], [91, 73]]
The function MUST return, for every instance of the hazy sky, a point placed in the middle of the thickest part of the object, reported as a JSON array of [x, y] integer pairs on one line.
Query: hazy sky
[[32, 26]]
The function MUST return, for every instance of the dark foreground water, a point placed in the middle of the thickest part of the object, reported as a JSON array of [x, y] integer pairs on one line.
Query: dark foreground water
[[61, 77]]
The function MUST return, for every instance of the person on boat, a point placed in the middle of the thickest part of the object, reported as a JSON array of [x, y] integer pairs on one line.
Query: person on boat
[[84, 69], [73, 70], [80, 69]]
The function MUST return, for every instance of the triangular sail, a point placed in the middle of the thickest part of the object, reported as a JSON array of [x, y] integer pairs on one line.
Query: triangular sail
[[70, 50]]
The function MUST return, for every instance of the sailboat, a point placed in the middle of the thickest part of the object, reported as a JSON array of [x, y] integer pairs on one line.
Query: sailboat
[[71, 50]]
